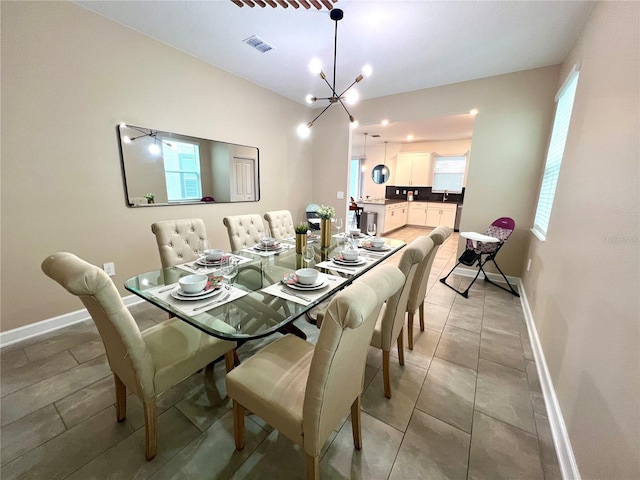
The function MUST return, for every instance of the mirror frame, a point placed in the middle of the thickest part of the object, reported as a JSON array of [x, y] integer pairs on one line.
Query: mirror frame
[[379, 168], [128, 198]]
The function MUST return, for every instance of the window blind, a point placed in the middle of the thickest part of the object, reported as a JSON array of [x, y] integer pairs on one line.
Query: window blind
[[448, 174], [554, 155]]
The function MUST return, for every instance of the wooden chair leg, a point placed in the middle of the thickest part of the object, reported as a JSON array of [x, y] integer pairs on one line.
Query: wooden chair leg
[[401, 347], [236, 358], [356, 425], [410, 330], [150, 428], [421, 310], [229, 359], [121, 398], [385, 374], [313, 470], [238, 425]]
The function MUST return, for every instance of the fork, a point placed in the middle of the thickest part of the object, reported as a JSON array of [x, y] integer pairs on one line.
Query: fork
[[306, 299]]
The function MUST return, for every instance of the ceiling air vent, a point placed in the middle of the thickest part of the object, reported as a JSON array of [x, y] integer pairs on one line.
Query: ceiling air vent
[[257, 43]]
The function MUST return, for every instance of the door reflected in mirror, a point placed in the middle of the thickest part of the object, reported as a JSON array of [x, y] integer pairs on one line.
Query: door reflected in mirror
[[380, 174], [165, 168]]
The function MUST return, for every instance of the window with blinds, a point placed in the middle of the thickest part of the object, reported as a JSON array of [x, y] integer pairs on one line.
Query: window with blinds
[[182, 171], [555, 153], [448, 173]]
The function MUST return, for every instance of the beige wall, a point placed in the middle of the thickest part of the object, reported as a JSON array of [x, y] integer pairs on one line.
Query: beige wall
[[583, 286], [69, 77]]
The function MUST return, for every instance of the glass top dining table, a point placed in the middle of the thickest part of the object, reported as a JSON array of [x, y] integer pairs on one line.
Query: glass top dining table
[[262, 298]]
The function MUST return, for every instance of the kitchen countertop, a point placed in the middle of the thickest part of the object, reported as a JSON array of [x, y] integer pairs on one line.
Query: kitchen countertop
[[393, 202]]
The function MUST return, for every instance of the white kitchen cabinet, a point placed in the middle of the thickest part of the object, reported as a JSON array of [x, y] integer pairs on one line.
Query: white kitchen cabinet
[[441, 214], [413, 169], [395, 216], [418, 213]]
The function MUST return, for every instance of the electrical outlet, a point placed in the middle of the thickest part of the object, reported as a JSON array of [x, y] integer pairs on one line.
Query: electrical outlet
[[340, 195], [109, 268], [529, 265]]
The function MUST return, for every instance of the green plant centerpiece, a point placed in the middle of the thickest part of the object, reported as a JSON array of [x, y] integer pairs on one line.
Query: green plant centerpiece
[[301, 236], [151, 198], [302, 227], [325, 213]]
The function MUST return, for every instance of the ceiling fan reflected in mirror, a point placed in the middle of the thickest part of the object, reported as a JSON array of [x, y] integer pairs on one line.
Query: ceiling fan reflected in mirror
[[328, 4]]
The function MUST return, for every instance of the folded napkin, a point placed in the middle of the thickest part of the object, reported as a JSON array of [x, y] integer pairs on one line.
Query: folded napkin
[[303, 297], [191, 307], [267, 253], [193, 267]]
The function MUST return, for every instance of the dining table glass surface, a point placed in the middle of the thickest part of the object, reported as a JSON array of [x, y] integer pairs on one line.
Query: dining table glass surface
[[263, 296]]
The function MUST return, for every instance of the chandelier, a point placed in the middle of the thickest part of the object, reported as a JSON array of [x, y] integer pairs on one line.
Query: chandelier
[[347, 95]]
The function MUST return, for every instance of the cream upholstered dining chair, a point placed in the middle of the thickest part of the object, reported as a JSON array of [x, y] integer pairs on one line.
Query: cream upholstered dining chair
[[244, 230], [390, 323], [419, 286], [304, 391], [147, 363], [281, 224], [179, 240]]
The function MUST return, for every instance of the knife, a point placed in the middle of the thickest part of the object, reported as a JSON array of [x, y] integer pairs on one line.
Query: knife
[[221, 299], [306, 299]]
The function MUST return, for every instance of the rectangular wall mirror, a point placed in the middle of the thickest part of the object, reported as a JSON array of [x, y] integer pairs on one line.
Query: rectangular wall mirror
[[165, 168]]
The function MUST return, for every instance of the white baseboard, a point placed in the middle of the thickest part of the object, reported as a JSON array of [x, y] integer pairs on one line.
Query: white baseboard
[[494, 277], [561, 441], [52, 324]]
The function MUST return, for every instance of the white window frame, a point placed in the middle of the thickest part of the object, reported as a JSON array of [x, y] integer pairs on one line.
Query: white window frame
[[561, 123], [435, 188]]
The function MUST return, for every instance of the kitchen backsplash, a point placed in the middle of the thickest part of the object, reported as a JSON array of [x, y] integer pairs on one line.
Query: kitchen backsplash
[[423, 194]]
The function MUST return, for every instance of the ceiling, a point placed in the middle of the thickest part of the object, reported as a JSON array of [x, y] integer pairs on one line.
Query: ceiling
[[411, 45]]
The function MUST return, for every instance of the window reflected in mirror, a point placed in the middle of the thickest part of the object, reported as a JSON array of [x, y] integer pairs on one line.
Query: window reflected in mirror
[[380, 174], [166, 168]]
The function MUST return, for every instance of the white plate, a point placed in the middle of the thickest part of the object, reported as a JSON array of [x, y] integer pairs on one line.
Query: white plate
[[178, 296], [198, 294], [384, 248], [271, 248], [349, 263], [209, 263], [320, 282]]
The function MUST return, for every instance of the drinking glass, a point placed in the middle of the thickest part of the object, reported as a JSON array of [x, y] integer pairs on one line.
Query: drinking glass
[[266, 236], [203, 246], [228, 269], [309, 254], [371, 229], [339, 225]]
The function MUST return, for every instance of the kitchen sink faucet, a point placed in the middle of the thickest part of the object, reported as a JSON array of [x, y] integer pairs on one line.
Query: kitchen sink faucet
[[445, 195]]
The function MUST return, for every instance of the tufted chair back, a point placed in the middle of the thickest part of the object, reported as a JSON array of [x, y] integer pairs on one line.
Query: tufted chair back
[[127, 352], [244, 230], [421, 278], [179, 240], [336, 374], [392, 317], [280, 223]]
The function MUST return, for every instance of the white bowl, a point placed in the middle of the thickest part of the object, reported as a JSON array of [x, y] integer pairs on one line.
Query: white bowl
[[214, 254], [267, 241], [377, 242], [350, 254], [307, 276], [193, 283], [354, 231]]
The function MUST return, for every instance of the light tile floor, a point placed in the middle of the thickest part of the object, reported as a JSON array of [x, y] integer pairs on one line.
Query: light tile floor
[[466, 404]]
